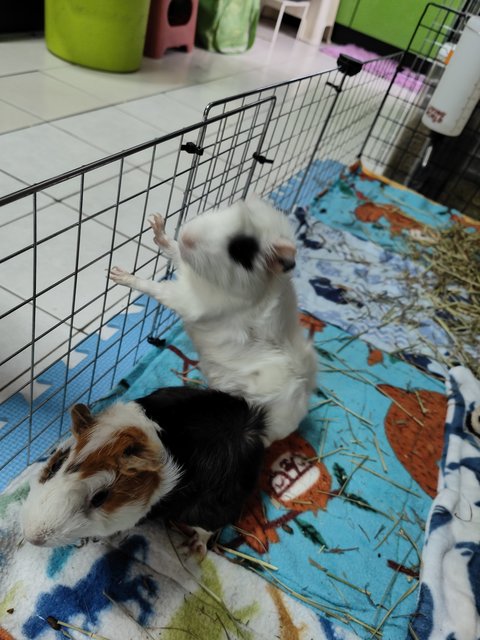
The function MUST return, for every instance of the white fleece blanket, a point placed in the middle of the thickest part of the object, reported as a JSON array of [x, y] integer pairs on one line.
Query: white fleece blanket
[[135, 587], [449, 599]]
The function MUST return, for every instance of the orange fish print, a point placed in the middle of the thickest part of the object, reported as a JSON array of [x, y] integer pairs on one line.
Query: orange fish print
[[375, 356], [314, 325], [4, 635], [418, 445], [291, 477], [465, 221], [399, 221]]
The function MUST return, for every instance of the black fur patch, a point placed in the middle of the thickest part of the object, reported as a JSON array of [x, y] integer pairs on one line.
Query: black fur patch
[[216, 440], [243, 249]]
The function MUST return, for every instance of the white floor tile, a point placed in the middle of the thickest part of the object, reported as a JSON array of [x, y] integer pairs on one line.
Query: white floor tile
[[127, 210], [110, 88], [77, 256], [44, 96], [176, 69], [16, 335], [109, 129], [19, 208], [44, 151], [12, 118], [203, 66], [201, 95], [163, 112], [20, 54]]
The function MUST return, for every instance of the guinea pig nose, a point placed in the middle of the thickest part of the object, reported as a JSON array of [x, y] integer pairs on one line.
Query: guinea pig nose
[[287, 264], [37, 540]]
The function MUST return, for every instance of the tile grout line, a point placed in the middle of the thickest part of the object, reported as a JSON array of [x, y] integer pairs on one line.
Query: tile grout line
[[48, 313]]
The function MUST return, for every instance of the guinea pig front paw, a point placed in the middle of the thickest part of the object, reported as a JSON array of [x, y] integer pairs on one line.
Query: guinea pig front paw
[[196, 542], [158, 226], [195, 547], [120, 276]]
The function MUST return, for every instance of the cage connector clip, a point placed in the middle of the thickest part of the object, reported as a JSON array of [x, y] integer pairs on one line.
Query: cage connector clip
[[349, 66], [191, 147], [156, 342], [262, 159]]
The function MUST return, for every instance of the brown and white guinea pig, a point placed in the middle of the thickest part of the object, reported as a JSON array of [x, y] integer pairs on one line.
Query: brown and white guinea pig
[[235, 296], [193, 454]]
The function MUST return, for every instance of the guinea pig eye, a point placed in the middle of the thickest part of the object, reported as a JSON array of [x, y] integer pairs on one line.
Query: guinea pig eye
[[54, 465], [99, 498], [133, 450]]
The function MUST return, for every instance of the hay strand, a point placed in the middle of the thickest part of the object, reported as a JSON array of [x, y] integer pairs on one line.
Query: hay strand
[[245, 556], [451, 285]]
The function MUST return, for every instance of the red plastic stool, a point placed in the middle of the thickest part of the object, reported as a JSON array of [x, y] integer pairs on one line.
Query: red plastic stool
[[171, 23]]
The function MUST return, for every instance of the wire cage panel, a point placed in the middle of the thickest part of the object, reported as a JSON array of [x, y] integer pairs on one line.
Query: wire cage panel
[[74, 334], [401, 147], [78, 333]]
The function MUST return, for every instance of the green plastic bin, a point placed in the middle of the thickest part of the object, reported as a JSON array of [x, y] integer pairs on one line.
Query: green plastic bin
[[101, 34]]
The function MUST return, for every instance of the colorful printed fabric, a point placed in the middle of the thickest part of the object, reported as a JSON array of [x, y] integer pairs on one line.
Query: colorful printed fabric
[[135, 586], [355, 270], [342, 502], [449, 600], [339, 515], [341, 506], [361, 287]]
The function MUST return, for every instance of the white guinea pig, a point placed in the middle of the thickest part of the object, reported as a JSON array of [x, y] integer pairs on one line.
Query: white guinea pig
[[235, 296], [192, 454]]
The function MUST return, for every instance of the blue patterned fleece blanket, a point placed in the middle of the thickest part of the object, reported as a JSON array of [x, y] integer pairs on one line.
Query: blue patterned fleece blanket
[[355, 268], [449, 600], [342, 504]]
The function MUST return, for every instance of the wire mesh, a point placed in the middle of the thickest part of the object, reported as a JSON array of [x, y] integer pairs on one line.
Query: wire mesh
[[73, 334], [400, 146]]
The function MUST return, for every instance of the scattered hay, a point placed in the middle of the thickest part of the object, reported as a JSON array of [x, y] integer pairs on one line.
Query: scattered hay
[[451, 284]]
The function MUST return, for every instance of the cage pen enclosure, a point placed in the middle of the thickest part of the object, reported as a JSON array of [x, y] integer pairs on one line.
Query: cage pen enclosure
[[75, 336], [363, 467], [400, 146]]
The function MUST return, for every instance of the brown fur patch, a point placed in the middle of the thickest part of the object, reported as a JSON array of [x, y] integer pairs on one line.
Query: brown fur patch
[[49, 470], [126, 489], [134, 461], [82, 438]]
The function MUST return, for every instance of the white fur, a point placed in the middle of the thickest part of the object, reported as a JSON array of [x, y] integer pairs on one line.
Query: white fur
[[244, 324], [58, 512]]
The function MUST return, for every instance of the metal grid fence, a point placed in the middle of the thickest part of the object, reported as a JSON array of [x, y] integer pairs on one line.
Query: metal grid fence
[[74, 334], [401, 147]]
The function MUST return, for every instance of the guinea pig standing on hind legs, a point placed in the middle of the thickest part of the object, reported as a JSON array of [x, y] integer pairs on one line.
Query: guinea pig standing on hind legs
[[236, 299], [191, 455]]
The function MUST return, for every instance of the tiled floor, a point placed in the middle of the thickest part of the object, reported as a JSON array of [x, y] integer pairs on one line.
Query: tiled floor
[[55, 117]]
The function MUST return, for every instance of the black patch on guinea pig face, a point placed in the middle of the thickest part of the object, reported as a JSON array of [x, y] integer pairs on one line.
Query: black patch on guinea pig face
[[243, 249], [54, 464]]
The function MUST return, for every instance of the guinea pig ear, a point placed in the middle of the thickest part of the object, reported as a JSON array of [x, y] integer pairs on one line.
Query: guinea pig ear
[[136, 452], [144, 459], [82, 419], [282, 256]]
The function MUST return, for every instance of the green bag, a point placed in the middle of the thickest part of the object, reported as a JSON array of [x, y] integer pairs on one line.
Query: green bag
[[227, 26]]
